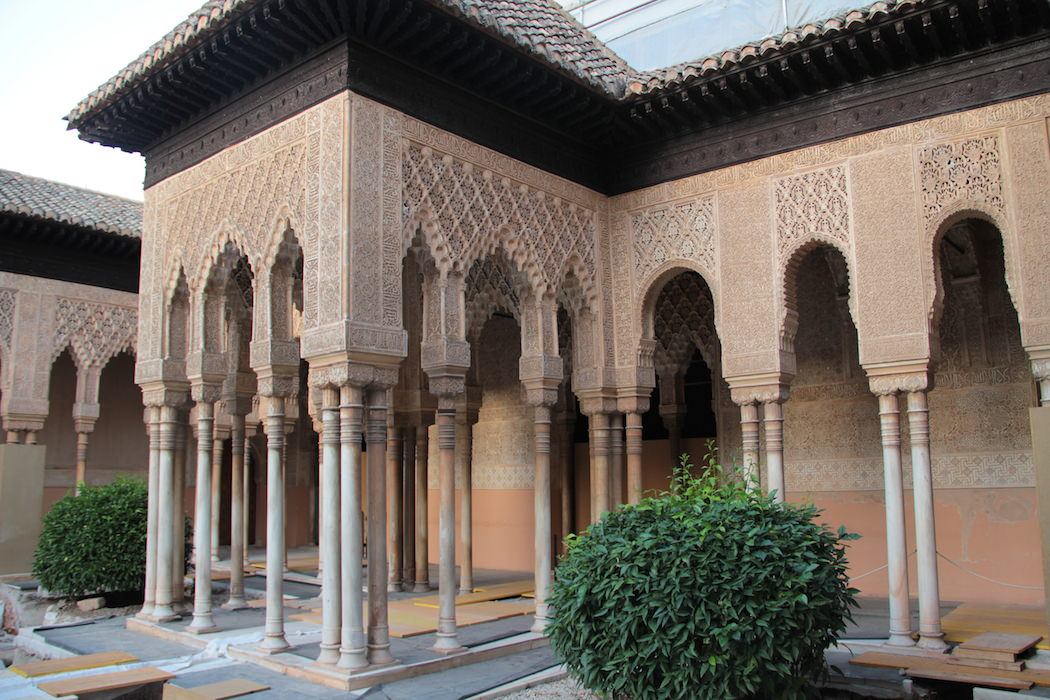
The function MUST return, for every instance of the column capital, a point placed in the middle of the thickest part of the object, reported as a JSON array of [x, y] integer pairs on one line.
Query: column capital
[[890, 378], [767, 393], [591, 405], [157, 394], [1040, 368], [205, 392], [541, 375], [350, 372]]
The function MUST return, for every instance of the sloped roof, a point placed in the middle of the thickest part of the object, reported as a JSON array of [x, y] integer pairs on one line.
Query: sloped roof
[[46, 199], [673, 76]]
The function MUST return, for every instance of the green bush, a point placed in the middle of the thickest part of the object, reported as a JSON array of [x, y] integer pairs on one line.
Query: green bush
[[95, 542], [710, 590]]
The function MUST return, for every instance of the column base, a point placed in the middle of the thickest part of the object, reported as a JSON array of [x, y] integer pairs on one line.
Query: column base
[[274, 645], [447, 643], [539, 625], [202, 624], [351, 660], [465, 591], [900, 639], [235, 604], [380, 656], [394, 587], [421, 587], [146, 613], [932, 642], [163, 614], [329, 655]]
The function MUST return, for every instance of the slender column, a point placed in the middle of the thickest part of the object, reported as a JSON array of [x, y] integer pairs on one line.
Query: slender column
[[378, 628], [274, 641], [319, 429], [352, 652], [422, 524], [408, 515], [542, 505], [673, 423], [216, 493], [162, 608], [773, 420], [393, 496], [331, 590], [616, 459], [749, 434], [600, 485], [896, 540], [246, 488], [82, 449], [930, 633], [178, 525], [447, 639], [236, 599], [634, 457], [202, 614], [153, 425], [568, 476], [466, 502]]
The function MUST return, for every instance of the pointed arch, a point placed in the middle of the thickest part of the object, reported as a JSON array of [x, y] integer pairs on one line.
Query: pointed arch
[[788, 285]]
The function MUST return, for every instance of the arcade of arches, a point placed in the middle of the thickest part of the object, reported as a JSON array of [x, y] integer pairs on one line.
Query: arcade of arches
[[483, 356]]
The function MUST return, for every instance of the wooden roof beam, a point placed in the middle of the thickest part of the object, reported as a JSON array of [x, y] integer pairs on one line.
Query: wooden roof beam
[[933, 35], [295, 12], [376, 21], [767, 83], [814, 73], [905, 42], [878, 44], [858, 57], [396, 23], [987, 17], [789, 76]]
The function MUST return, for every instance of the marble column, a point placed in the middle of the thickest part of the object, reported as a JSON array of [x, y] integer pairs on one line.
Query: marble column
[[319, 429], [236, 599], [672, 420], [408, 513], [246, 487], [273, 636], [353, 654], [749, 438], [930, 634], [447, 638], [178, 525], [331, 590], [464, 475], [394, 494], [542, 511], [153, 427], [567, 425], [378, 627], [203, 621], [634, 457], [216, 490], [896, 538], [616, 459], [773, 422], [162, 607], [600, 469], [83, 434], [422, 524]]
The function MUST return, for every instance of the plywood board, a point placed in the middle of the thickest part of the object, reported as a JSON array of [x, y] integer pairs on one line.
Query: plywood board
[[512, 589], [969, 620], [75, 663], [232, 688], [85, 685], [985, 663], [880, 659], [1000, 642]]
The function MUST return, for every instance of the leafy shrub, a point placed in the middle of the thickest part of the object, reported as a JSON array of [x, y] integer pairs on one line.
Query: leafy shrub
[[95, 542], [711, 590]]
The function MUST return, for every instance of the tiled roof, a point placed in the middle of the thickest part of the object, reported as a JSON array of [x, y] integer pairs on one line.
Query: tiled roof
[[539, 27], [673, 76], [46, 199]]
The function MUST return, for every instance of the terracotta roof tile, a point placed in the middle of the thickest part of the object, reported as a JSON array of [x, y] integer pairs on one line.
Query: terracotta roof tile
[[46, 199]]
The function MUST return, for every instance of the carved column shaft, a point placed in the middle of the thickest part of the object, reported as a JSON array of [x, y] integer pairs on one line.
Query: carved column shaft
[[930, 633], [422, 523], [408, 514], [236, 599], [542, 511], [447, 639], [202, 612], [331, 590], [162, 607], [896, 540], [749, 433], [464, 466], [81, 468], [378, 627], [274, 640], [773, 420], [600, 471], [568, 476], [634, 457], [153, 426], [394, 494], [178, 525], [616, 459], [352, 650], [216, 493]]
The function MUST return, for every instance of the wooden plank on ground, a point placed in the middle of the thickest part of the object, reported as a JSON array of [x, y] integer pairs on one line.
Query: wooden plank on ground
[[103, 682], [881, 659], [969, 620], [985, 663], [968, 678], [978, 654], [232, 688], [1000, 642], [512, 589], [74, 663]]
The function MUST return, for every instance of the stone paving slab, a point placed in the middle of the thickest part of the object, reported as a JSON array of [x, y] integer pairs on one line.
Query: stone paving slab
[[112, 635], [465, 681]]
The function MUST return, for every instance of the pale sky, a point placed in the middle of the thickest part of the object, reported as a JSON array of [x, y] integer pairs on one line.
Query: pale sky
[[52, 54]]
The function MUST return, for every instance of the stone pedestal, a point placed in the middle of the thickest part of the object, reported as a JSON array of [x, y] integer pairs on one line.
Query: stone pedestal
[[21, 499]]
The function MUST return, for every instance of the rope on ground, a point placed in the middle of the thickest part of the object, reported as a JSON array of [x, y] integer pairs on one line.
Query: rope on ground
[[959, 566]]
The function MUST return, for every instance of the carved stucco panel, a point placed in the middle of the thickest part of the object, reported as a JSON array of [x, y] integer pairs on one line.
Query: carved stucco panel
[[969, 170], [683, 230], [891, 315]]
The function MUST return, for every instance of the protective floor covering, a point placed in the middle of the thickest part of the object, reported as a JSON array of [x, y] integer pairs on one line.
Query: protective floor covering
[[112, 635]]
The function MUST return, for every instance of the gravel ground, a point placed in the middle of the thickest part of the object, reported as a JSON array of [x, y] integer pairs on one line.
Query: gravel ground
[[565, 688]]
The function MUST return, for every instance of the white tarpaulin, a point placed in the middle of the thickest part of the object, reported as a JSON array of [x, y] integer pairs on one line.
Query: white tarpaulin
[[652, 34]]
